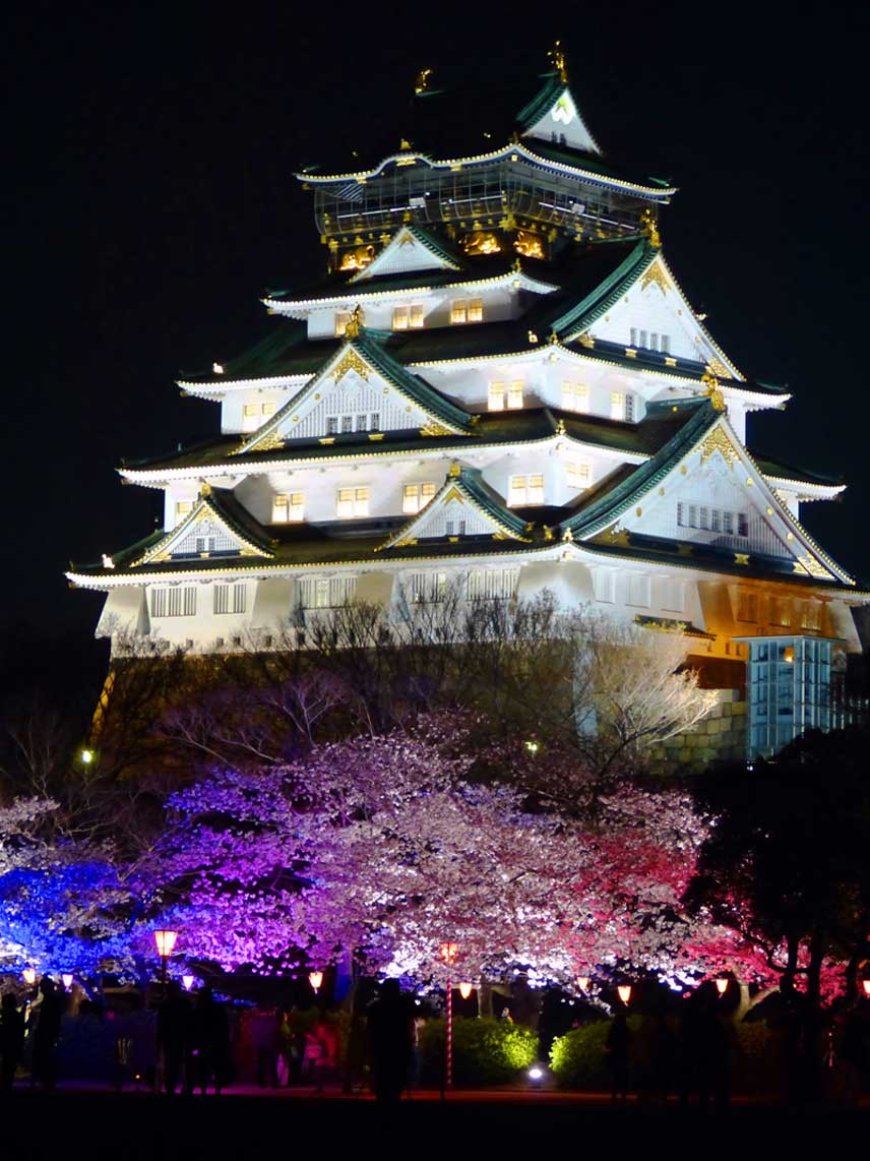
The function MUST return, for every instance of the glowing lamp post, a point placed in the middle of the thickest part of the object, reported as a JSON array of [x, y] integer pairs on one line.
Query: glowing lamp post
[[165, 942], [316, 981], [866, 986], [448, 953], [465, 989], [67, 980], [29, 976], [722, 985], [583, 983], [187, 981], [624, 993]]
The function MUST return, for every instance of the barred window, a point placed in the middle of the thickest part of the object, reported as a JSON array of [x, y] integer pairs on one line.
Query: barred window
[[176, 601], [230, 598], [708, 519], [326, 592], [492, 584], [426, 587]]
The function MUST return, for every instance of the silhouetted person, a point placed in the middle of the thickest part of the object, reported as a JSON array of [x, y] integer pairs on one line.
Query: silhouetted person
[[264, 1031], [49, 1014], [209, 1044], [618, 1045], [704, 1049], [390, 1033], [11, 1039], [173, 1032]]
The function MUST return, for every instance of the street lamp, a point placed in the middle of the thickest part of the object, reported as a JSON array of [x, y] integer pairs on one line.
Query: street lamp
[[165, 941], [465, 989], [866, 985], [67, 980], [624, 993], [187, 981], [316, 980], [29, 976], [448, 953], [722, 985], [583, 983]]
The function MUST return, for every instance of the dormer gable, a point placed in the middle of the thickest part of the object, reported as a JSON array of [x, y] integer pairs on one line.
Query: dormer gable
[[361, 390], [704, 492], [642, 307], [463, 508], [217, 526], [408, 251], [553, 116]]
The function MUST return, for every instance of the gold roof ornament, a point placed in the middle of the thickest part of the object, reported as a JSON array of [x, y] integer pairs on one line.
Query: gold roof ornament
[[404, 144], [455, 470], [650, 228], [557, 60], [204, 489], [421, 82], [354, 323], [560, 427], [711, 385]]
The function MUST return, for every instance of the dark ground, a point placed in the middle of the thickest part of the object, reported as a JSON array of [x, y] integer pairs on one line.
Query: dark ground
[[34, 1126]]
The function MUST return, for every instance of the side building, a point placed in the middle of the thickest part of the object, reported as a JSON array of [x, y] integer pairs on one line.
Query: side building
[[500, 389]]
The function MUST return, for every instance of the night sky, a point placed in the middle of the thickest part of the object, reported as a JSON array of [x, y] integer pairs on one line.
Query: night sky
[[151, 201]]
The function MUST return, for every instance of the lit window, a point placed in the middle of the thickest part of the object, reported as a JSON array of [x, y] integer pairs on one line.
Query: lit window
[[466, 310], [352, 502], [183, 508], [230, 598], [577, 475], [617, 405], [342, 318], [409, 316], [503, 395], [288, 508], [515, 395], [575, 397], [525, 490], [253, 414], [416, 496], [205, 544]]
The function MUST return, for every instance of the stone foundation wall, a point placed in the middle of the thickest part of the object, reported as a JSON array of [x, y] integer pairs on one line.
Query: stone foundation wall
[[720, 737]]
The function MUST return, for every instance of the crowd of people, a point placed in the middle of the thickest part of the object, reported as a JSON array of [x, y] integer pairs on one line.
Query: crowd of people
[[191, 1042]]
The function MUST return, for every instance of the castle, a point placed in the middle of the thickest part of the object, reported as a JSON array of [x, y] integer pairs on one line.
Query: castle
[[499, 390]]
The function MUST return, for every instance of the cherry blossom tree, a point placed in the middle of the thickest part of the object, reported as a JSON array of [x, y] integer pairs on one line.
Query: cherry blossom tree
[[63, 905]]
